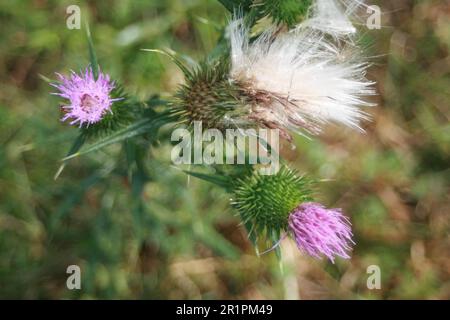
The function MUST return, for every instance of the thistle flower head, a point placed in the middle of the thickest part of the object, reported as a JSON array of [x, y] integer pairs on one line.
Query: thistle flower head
[[208, 96], [320, 231], [88, 98], [298, 81]]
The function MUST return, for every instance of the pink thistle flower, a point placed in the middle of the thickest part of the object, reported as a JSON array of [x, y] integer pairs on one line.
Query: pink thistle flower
[[321, 231], [89, 98]]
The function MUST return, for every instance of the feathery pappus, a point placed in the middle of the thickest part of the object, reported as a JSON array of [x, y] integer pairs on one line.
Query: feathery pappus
[[299, 81], [334, 17]]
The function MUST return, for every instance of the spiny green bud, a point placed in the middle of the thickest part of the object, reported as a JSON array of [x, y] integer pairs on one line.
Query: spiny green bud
[[265, 201], [210, 97], [289, 12]]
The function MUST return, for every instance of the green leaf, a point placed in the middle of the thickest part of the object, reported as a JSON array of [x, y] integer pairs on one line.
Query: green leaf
[[78, 143], [136, 128], [221, 49], [219, 180], [276, 238], [235, 5], [92, 55], [172, 55], [333, 270]]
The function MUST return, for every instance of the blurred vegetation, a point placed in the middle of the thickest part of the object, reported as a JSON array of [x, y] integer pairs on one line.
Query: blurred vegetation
[[181, 239]]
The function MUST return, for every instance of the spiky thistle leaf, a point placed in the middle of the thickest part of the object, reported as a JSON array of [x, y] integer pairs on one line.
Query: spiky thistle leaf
[[146, 125]]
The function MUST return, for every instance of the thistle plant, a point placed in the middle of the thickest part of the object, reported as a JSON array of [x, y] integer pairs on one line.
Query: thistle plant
[[296, 76], [273, 207]]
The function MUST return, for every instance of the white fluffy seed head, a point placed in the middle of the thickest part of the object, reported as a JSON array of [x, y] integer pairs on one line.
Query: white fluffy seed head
[[299, 80], [334, 17]]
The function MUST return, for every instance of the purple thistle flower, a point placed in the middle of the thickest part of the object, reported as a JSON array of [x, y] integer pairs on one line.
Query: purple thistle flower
[[89, 98], [318, 230]]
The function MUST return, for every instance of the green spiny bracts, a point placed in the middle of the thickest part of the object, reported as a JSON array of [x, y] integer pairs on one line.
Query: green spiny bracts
[[288, 12], [265, 201], [209, 96], [122, 114]]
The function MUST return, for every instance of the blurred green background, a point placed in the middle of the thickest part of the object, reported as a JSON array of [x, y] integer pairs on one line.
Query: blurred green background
[[181, 239]]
